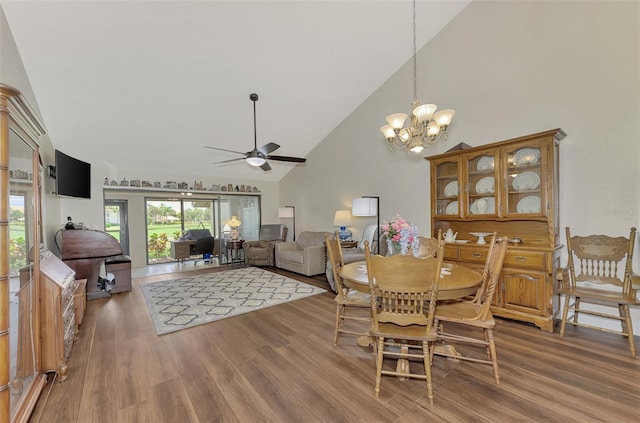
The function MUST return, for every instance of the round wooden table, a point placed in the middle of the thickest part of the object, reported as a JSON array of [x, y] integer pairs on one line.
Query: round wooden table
[[457, 282], [460, 282]]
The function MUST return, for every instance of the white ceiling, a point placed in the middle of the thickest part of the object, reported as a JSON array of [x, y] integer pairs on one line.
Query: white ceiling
[[146, 84]]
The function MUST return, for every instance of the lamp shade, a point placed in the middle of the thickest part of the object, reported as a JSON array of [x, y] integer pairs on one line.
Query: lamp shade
[[342, 218], [364, 207], [286, 212], [424, 112], [234, 222], [396, 120]]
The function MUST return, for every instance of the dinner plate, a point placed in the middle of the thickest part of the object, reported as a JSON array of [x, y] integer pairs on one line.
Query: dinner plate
[[530, 204], [526, 156], [451, 189], [485, 163], [486, 205], [486, 185], [452, 208], [526, 180]]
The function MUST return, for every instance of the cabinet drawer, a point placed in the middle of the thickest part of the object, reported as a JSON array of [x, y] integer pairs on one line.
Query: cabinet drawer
[[450, 253], [474, 255], [528, 259]]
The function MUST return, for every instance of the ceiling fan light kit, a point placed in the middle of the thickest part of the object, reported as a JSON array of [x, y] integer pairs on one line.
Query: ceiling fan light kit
[[258, 156]]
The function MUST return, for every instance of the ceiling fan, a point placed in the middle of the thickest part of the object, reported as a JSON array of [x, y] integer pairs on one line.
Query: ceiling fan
[[259, 156]]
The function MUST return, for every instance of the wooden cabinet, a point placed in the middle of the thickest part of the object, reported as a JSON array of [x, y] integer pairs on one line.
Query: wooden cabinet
[[21, 176], [510, 187], [58, 328]]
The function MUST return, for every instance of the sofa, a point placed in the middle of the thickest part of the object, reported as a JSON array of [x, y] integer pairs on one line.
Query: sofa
[[305, 255]]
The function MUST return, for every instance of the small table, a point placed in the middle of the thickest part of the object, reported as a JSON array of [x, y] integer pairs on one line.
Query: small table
[[461, 282], [181, 249], [235, 251]]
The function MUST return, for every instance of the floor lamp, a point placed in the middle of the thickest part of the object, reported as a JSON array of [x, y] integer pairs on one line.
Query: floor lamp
[[288, 212], [368, 206]]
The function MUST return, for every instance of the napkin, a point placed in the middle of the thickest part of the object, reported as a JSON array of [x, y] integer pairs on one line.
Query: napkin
[[444, 272]]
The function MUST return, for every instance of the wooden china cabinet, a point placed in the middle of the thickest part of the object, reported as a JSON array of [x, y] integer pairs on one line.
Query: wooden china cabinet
[[21, 375], [510, 187]]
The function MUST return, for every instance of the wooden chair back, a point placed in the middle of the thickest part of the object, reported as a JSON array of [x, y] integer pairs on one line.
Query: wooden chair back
[[403, 289], [428, 247], [486, 271], [335, 258], [491, 275], [600, 259]]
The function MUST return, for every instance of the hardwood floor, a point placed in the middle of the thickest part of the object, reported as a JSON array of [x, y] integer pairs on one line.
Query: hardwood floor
[[279, 365]]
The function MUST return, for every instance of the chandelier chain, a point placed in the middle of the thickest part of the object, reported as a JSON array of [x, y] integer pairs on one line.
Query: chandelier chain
[[415, 65]]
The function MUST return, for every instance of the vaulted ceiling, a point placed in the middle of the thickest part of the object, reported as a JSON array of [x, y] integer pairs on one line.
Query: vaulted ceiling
[[147, 84]]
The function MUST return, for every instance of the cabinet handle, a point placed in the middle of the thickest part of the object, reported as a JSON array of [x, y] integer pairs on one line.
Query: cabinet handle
[[476, 254], [521, 259]]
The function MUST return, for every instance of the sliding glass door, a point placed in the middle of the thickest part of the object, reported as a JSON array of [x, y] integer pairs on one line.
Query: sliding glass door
[[164, 224], [167, 219]]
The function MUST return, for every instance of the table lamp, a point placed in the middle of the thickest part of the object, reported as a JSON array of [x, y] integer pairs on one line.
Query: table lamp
[[234, 223], [342, 219]]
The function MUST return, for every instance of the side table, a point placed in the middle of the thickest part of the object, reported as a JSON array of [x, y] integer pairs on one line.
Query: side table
[[235, 251]]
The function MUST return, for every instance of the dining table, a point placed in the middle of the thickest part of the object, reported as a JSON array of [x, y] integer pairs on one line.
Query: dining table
[[457, 281]]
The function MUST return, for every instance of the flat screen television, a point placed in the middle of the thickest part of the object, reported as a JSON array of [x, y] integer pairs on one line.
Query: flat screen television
[[73, 176]]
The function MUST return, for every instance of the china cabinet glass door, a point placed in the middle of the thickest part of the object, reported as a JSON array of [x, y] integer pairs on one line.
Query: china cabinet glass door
[[524, 180], [480, 190], [22, 285], [447, 188]]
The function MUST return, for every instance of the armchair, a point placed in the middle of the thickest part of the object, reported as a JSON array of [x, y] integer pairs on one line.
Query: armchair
[[305, 255], [262, 252]]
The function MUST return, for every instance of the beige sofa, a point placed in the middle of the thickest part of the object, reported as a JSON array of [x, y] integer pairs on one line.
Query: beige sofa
[[305, 255]]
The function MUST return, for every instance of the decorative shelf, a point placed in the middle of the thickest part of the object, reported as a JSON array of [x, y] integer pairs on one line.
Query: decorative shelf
[[178, 191]]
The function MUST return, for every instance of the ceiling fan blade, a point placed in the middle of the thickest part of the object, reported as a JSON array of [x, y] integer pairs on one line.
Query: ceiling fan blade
[[224, 149], [230, 160], [268, 148], [287, 159], [265, 166]]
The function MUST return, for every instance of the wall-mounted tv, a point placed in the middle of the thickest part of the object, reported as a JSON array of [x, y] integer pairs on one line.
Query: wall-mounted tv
[[73, 176]]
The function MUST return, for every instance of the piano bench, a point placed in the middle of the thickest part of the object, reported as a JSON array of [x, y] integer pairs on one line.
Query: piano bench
[[120, 267]]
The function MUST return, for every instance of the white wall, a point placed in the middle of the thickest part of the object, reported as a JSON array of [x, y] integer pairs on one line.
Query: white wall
[[12, 73], [508, 69]]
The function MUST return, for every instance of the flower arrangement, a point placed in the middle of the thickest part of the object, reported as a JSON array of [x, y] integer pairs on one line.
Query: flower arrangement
[[401, 235]]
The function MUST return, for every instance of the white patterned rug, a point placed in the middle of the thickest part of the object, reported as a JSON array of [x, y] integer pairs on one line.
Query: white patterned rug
[[195, 300]]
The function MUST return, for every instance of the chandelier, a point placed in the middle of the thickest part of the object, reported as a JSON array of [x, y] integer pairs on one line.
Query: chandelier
[[426, 127]]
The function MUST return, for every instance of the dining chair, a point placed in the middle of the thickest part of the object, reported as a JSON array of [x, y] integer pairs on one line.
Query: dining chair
[[474, 314], [346, 298], [599, 272], [404, 291]]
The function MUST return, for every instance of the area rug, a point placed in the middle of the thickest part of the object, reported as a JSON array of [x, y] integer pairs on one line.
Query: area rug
[[191, 301]]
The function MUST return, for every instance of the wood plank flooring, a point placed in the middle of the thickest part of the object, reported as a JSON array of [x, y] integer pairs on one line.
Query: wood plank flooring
[[279, 365]]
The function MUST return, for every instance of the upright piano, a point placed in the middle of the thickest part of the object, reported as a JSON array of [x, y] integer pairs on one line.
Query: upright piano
[[86, 250]]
